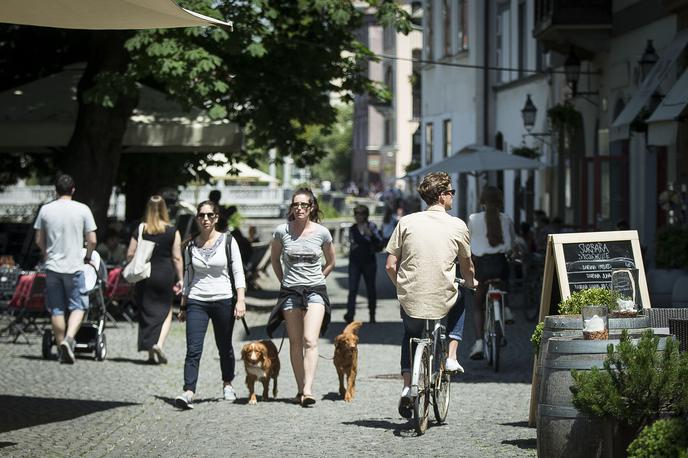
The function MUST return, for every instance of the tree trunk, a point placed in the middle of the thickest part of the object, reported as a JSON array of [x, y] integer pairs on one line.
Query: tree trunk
[[93, 153]]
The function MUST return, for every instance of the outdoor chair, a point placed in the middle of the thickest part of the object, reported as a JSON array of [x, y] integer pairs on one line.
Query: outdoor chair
[[679, 328], [27, 306]]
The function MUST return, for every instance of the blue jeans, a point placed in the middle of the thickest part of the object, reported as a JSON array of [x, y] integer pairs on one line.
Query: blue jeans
[[198, 313], [413, 328], [63, 292], [367, 270]]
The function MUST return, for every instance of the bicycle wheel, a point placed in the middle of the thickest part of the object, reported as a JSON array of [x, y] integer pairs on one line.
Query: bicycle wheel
[[421, 382], [441, 384], [489, 331], [496, 344]]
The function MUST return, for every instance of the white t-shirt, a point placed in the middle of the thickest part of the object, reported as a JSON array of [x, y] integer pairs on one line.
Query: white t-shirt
[[480, 246], [65, 222], [210, 280], [301, 256]]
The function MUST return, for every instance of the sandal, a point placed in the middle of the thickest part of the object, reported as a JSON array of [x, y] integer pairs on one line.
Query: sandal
[[298, 398], [307, 400]]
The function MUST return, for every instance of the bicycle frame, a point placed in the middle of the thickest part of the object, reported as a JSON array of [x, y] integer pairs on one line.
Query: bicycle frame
[[433, 338]]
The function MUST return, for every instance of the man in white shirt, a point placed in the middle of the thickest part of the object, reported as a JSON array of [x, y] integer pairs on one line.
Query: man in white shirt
[[61, 227], [422, 252]]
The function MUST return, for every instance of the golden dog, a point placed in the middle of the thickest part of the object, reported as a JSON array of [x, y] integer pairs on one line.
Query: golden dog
[[346, 359], [261, 362]]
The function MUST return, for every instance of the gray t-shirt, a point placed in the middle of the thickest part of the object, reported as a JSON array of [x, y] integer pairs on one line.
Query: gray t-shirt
[[64, 222], [301, 256]]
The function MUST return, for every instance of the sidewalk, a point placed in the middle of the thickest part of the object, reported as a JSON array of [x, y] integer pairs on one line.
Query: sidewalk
[[124, 407]]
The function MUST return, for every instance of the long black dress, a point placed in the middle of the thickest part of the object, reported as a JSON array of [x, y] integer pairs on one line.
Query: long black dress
[[154, 295]]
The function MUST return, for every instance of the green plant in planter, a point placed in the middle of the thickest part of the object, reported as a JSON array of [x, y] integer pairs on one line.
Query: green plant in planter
[[637, 384], [564, 116], [672, 248], [665, 438], [536, 338], [526, 151], [591, 296]]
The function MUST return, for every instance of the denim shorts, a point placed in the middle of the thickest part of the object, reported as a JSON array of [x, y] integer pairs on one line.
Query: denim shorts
[[296, 302], [63, 292]]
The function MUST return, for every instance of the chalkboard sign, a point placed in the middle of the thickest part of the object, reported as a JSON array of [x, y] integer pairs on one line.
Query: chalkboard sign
[[587, 260]]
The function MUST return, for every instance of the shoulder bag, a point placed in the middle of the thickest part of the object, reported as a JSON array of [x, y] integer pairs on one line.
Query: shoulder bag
[[139, 268]]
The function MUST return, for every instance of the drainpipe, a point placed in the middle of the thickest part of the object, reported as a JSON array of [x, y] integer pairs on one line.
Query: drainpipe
[[486, 75]]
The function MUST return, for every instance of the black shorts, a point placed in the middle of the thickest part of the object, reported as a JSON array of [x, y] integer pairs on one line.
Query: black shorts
[[490, 267]]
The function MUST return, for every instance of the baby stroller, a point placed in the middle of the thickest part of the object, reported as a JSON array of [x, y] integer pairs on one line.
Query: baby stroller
[[91, 335]]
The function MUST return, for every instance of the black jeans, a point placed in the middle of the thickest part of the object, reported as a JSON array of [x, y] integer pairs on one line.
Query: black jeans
[[198, 313], [368, 270]]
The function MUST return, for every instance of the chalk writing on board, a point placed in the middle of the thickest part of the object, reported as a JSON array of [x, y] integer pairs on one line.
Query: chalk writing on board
[[590, 264]]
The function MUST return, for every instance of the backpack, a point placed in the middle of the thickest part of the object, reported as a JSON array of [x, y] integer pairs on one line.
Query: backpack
[[228, 253]]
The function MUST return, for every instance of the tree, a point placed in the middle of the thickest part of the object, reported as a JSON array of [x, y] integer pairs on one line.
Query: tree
[[336, 141], [272, 73]]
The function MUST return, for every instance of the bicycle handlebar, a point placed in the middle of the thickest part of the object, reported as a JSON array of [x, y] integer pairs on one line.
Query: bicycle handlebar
[[462, 284]]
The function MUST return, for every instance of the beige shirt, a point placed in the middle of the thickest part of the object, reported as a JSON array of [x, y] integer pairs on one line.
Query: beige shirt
[[427, 245]]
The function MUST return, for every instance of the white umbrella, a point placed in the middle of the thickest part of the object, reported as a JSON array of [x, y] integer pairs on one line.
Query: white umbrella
[[102, 14], [479, 158], [244, 172]]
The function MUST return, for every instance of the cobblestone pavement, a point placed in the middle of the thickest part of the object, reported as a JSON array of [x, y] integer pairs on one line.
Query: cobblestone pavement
[[123, 407]]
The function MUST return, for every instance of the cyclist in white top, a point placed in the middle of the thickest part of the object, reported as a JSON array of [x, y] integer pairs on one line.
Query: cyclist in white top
[[492, 237]]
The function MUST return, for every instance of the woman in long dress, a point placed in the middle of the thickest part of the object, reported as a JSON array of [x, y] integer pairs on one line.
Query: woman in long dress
[[155, 294]]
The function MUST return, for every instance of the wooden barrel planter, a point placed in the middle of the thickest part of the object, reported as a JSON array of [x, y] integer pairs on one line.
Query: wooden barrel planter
[[563, 431], [572, 326]]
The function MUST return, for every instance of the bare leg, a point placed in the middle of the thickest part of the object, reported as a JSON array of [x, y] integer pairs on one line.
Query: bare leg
[[74, 322], [453, 349], [311, 332], [294, 320], [165, 330], [58, 322]]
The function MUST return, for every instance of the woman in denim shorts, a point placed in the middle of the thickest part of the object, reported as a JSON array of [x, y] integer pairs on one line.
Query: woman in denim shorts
[[296, 251]]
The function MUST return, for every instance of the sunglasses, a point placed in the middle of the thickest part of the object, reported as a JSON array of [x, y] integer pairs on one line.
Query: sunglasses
[[205, 215], [303, 205], [450, 191]]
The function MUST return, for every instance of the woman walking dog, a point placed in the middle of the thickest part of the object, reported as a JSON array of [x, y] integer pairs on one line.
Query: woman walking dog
[[303, 302], [208, 295]]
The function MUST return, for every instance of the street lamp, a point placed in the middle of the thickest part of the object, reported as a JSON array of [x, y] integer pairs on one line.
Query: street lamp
[[572, 67], [648, 59], [529, 112]]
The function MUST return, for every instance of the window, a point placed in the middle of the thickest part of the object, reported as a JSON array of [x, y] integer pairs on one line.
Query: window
[[388, 131], [522, 39], [462, 25], [502, 42], [416, 84], [446, 27], [429, 25], [428, 143], [446, 138]]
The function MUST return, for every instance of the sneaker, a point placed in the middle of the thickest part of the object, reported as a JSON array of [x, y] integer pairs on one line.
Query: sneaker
[[229, 393], [452, 365], [508, 315], [60, 358], [67, 347], [184, 401], [406, 403], [477, 350]]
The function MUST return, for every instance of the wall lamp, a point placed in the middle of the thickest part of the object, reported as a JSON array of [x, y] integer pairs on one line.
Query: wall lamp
[[529, 114]]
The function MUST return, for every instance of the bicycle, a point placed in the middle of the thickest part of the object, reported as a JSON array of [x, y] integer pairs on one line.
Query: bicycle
[[493, 327], [429, 378]]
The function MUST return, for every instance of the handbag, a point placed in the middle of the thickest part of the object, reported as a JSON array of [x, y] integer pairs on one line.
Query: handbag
[[139, 268]]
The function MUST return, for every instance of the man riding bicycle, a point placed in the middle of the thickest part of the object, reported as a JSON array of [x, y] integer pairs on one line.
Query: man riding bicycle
[[421, 263]]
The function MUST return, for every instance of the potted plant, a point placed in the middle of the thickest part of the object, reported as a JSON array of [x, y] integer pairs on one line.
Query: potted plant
[[526, 151], [667, 437], [638, 384], [565, 117]]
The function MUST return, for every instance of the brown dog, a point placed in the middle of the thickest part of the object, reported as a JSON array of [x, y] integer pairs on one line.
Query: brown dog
[[346, 359], [261, 362]]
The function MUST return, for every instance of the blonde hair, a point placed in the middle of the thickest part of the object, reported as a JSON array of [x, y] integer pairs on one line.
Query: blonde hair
[[156, 218]]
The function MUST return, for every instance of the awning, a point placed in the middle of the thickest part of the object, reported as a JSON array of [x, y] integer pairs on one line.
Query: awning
[[39, 117], [479, 158], [663, 124], [238, 171], [620, 129], [102, 14]]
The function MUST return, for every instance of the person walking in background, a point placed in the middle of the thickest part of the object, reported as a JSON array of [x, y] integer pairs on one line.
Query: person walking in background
[[113, 252], [154, 295], [303, 302], [389, 222], [208, 295], [421, 264], [365, 241], [61, 227], [223, 216], [492, 237]]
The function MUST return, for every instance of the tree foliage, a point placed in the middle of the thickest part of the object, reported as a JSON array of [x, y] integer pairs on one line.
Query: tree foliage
[[336, 142]]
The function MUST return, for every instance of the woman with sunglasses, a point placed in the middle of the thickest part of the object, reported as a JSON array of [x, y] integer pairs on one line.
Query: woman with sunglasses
[[155, 294], [366, 240], [207, 296], [303, 302]]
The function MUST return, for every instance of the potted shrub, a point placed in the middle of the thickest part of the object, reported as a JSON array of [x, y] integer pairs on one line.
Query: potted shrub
[[637, 386], [665, 438]]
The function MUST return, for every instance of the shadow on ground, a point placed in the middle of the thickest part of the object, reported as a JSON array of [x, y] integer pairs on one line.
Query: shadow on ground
[[398, 429], [17, 412], [527, 444]]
